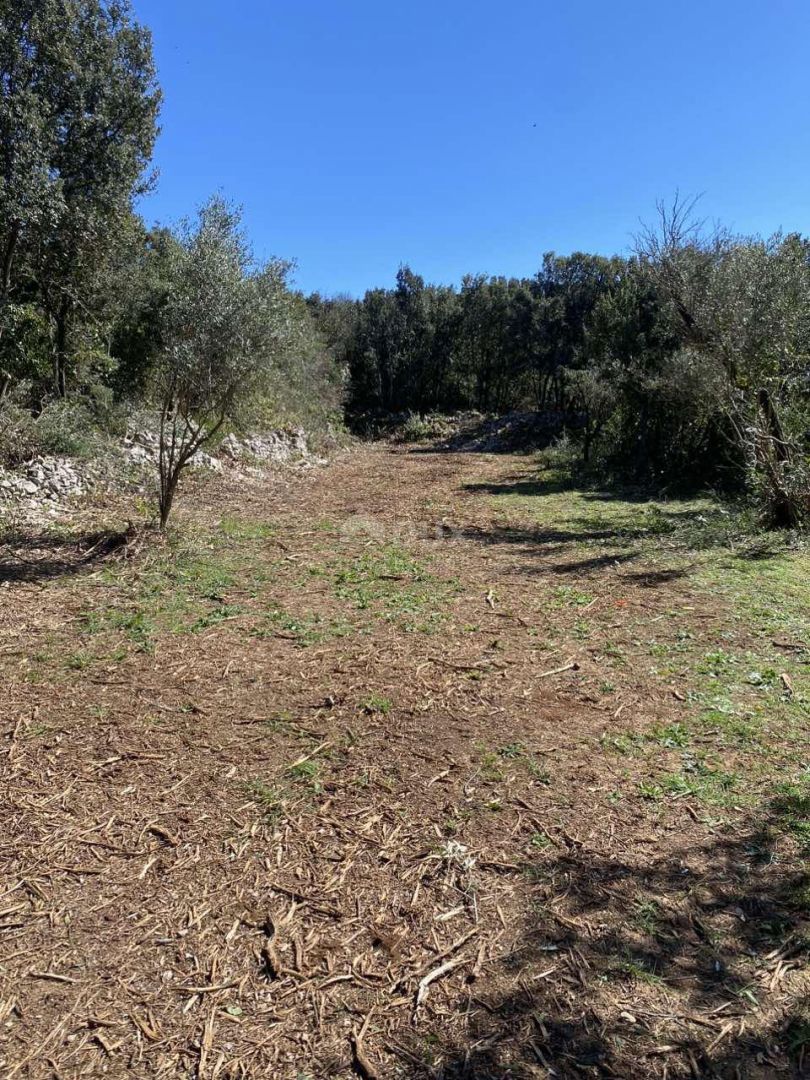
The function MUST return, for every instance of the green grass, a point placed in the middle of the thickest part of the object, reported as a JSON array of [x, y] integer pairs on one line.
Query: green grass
[[390, 584], [791, 808], [242, 529], [376, 703], [188, 585], [745, 715], [306, 629]]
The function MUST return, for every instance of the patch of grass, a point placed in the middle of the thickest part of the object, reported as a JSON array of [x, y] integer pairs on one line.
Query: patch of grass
[[512, 750], [791, 807], [568, 596], [647, 916], [391, 584], [490, 768], [220, 614], [707, 783], [671, 736], [540, 841], [79, 661], [538, 772], [241, 529], [640, 970], [307, 773], [649, 791], [306, 629], [376, 703], [271, 799], [171, 590]]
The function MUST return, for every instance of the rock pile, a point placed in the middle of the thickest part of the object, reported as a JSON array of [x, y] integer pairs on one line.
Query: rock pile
[[277, 447], [514, 432], [42, 482], [45, 484], [141, 448]]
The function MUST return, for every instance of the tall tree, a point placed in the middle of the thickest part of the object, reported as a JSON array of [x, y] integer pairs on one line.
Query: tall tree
[[78, 120]]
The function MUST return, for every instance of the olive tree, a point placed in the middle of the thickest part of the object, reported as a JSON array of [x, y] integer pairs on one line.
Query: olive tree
[[742, 305], [223, 326]]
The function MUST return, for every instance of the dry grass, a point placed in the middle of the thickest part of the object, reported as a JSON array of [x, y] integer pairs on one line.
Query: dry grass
[[404, 768]]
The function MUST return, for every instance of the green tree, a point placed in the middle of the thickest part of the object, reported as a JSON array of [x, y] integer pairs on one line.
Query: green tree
[[78, 116], [743, 306], [224, 325]]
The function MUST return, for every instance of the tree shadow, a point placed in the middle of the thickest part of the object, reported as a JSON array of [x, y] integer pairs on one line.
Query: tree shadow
[[598, 562], [28, 557], [554, 485], [691, 963], [534, 535], [692, 528], [550, 544], [651, 578], [523, 487]]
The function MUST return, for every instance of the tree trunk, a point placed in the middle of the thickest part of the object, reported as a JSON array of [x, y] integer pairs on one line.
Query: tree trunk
[[5, 286], [168, 487], [60, 349], [8, 260], [784, 509]]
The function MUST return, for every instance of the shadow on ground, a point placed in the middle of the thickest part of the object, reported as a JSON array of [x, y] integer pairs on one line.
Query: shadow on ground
[[692, 528], [693, 965], [31, 557]]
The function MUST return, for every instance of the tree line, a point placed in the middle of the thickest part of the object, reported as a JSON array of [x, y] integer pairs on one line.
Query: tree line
[[684, 362], [687, 362]]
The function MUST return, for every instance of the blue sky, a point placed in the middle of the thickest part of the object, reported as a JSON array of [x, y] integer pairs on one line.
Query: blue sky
[[473, 136]]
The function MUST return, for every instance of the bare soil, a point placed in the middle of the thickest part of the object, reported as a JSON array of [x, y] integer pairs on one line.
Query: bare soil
[[369, 775]]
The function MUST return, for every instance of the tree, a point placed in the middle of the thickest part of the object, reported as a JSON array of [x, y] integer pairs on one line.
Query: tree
[[743, 305], [223, 326], [78, 116]]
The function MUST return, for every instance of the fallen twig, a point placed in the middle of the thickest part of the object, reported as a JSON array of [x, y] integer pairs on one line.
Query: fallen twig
[[362, 1065], [432, 976], [573, 666]]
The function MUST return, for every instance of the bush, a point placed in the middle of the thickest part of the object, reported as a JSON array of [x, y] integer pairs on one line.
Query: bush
[[418, 428], [62, 429]]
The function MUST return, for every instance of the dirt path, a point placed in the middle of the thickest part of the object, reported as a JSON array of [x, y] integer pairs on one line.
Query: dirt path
[[371, 774]]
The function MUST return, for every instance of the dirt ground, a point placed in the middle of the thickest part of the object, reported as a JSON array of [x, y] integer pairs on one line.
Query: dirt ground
[[418, 765]]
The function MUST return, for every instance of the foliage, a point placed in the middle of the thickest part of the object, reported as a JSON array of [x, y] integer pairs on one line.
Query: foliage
[[685, 365], [78, 116], [223, 325]]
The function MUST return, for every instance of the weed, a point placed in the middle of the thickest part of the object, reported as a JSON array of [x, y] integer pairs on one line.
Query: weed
[[640, 970], [568, 596], [223, 613], [307, 773], [791, 806], [539, 840], [512, 750], [79, 661], [491, 770], [537, 771], [271, 799], [647, 916], [671, 736], [649, 791], [375, 703]]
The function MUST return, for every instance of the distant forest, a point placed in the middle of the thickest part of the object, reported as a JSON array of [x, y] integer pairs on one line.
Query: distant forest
[[686, 363]]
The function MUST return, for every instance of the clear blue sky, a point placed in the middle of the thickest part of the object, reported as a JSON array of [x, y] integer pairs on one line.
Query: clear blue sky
[[473, 135]]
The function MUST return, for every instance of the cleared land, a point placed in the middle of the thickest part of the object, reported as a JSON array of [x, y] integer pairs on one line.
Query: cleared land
[[421, 765]]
